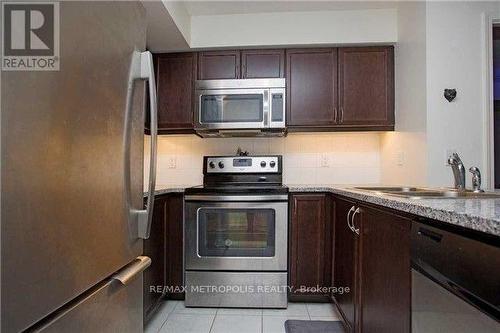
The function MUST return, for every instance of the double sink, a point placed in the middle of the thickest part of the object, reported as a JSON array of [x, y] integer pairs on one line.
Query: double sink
[[429, 193]]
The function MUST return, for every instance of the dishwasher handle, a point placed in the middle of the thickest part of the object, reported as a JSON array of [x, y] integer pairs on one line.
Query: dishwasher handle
[[430, 234]]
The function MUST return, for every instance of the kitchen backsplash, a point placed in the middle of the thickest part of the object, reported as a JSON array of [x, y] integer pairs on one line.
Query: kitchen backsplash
[[326, 158]]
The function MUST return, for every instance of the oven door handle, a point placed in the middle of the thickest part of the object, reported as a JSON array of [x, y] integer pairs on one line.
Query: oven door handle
[[238, 198]]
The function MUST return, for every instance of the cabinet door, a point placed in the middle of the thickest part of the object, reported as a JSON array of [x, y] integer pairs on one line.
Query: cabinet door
[[385, 274], [174, 244], [219, 65], [344, 271], [311, 87], [310, 244], [366, 86], [257, 64], [175, 73], [154, 247]]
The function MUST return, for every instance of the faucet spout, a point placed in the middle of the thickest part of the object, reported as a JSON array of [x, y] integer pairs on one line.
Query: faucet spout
[[458, 171]]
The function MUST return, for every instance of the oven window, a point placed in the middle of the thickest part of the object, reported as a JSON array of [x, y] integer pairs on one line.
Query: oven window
[[237, 108], [227, 232]]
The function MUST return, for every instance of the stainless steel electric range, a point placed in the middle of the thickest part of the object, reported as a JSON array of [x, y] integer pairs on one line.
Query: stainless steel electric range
[[236, 231]]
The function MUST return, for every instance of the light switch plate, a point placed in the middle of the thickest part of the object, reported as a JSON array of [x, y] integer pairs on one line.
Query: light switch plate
[[172, 162], [324, 161], [400, 158]]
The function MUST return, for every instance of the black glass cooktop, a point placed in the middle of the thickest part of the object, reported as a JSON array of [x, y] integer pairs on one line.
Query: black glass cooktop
[[237, 189]]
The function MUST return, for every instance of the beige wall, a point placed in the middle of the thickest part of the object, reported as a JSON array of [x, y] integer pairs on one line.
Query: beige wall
[[294, 28], [329, 158], [404, 152], [455, 59]]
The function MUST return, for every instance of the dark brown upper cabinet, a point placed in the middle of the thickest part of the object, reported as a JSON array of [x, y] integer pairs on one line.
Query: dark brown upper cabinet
[[255, 64], [218, 65], [175, 76], [340, 89], [258, 64], [328, 89], [310, 245], [366, 86], [311, 87]]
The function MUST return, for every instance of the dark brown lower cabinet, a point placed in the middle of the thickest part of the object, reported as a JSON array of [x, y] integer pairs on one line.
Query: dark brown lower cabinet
[[310, 246], [174, 273], [154, 275], [344, 265], [164, 247], [384, 272], [372, 257]]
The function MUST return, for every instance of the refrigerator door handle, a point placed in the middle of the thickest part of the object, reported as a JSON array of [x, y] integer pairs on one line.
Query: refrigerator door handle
[[142, 69], [127, 273], [145, 217]]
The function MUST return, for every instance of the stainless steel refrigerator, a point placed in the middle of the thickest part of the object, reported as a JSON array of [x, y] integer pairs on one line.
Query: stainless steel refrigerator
[[72, 141]]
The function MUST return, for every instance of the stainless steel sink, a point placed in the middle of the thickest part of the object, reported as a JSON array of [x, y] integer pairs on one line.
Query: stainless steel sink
[[429, 193], [389, 188]]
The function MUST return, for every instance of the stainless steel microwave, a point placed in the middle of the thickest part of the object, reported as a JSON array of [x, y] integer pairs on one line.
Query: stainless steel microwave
[[245, 107]]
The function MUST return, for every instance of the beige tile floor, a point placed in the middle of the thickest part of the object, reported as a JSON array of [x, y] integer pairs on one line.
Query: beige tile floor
[[174, 317]]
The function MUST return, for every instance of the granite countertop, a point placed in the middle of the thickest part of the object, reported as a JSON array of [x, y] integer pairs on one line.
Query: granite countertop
[[477, 214], [165, 189]]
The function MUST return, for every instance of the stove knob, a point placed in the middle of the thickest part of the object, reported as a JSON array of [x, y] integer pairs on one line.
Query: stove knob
[[272, 164], [221, 165], [211, 165], [263, 164]]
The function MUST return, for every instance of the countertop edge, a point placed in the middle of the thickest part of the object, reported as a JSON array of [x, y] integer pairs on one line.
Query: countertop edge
[[423, 208]]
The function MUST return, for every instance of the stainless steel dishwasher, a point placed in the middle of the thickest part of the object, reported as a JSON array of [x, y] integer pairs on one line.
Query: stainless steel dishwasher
[[456, 280]]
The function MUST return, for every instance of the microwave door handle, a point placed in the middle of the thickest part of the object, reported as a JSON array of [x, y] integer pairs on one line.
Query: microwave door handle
[[266, 107], [220, 103]]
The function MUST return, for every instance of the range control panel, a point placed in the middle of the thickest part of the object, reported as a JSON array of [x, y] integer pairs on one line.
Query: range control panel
[[242, 164]]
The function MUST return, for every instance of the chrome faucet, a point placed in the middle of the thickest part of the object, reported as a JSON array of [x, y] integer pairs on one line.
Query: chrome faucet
[[458, 171], [476, 179]]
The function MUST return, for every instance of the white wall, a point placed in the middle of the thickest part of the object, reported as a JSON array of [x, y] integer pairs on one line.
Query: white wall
[[180, 16], [351, 158], [161, 28], [294, 28], [403, 152], [440, 45], [454, 57]]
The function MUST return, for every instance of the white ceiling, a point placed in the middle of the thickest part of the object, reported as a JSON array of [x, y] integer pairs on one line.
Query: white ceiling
[[207, 7]]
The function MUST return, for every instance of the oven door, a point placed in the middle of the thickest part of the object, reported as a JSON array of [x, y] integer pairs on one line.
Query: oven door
[[236, 235], [232, 109]]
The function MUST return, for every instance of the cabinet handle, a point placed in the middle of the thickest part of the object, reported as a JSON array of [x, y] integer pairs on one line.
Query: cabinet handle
[[348, 220], [335, 115], [341, 120], [352, 218]]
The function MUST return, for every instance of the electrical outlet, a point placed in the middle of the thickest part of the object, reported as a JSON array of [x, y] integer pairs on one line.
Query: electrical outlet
[[400, 158], [172, 162], [323, 161], [449, 152]]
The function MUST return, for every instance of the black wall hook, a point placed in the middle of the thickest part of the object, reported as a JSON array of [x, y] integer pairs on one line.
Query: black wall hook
[[450, 94]]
